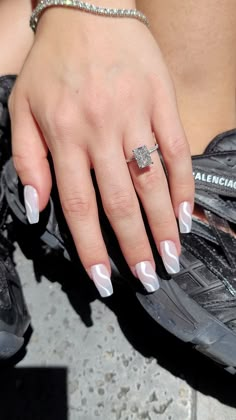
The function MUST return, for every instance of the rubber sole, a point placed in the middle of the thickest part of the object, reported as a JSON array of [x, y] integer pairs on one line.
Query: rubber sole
[[10, 344], [180, 315]]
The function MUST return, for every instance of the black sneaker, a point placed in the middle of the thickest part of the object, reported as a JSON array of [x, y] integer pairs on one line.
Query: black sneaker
[[198, 305], [6, 84], [14, 317]]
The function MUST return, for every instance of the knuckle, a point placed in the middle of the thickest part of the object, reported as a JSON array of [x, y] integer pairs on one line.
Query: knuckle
[[78, 206], [177, 148], [92, 249], [149, 180], [166, 227], [165, 224], [59, 122], [21, 164], [120, 204], [139, 250], [184, 188]]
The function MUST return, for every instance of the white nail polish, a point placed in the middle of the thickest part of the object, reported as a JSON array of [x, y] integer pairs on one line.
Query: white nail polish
[[31, 204], [170, 257], [147, 276], [185, 217], [101, 278]]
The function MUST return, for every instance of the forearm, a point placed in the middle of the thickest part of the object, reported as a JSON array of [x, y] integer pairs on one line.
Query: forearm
[[79, 17], [15, 35], [117, 8]]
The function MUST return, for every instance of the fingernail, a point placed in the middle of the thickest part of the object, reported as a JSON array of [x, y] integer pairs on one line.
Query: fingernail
[[31, 204], [170, 257], [101, 278], [185, 217], [147, 276]]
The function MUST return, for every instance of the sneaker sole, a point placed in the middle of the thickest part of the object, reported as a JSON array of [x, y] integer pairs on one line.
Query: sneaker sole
[[182, 316], [10, 344]]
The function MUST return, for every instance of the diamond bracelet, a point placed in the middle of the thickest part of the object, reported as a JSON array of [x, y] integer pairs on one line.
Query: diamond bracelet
[[85, 7]]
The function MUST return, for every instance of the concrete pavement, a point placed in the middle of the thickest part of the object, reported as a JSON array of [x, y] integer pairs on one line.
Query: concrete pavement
[[90, 359]]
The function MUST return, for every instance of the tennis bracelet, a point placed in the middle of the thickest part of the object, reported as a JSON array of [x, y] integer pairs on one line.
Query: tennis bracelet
[[85, 7]]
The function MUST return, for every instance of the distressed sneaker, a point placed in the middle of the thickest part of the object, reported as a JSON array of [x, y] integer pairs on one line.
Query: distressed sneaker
[[14, 317], [198, 305]]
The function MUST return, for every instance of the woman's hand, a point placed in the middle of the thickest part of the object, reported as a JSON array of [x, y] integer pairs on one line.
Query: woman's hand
[[93, 89]]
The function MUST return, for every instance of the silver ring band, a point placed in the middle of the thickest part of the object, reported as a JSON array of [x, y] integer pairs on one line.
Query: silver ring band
[[142, 155]]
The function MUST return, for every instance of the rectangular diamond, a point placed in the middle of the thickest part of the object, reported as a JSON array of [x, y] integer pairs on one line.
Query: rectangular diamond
[[142, 157]]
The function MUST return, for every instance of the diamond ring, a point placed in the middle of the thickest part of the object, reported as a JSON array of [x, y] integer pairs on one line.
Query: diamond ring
[[142, 155]]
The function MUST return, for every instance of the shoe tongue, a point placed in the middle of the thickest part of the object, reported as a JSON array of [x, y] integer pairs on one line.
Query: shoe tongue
[[224, 142]]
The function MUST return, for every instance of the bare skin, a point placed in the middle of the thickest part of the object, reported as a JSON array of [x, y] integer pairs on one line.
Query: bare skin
[[204, 73], [198, 42], [16, 37]]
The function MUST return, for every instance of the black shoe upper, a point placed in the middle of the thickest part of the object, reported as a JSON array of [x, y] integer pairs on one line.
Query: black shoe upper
[[14, 316], [6, 84], [208, 261]]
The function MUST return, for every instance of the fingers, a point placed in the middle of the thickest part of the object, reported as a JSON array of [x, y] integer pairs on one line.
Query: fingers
[[75, 189], [30, 159], [122, 209], [78, 201], [152, 188], [176, 155]]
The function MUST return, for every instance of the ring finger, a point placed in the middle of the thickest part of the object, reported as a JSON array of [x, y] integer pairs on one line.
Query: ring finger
[[123, 211], [152, 188]]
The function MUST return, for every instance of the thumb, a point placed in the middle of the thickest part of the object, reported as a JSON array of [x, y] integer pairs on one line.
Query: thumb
[[29, 152]]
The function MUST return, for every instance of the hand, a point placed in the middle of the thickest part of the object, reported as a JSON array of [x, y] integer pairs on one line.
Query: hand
[[91, 90]]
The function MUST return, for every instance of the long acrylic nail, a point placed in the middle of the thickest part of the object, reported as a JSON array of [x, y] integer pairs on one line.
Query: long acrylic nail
[[185, 217], [170, 257], [101, 278], [147, 276], [31, 204]]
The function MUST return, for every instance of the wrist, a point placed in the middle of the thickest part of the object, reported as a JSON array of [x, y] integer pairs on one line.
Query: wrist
[[80, 9]]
